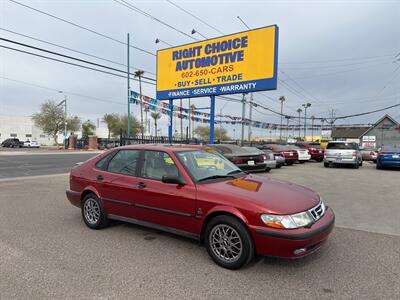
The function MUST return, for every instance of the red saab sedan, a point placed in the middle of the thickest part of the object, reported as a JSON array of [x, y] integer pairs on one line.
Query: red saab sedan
[[200, 194]]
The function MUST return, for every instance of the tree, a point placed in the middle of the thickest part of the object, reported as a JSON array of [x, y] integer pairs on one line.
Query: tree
[[51, 119], [87, 129], [119, 123], [156, 116], [203, 132], [111, 120]]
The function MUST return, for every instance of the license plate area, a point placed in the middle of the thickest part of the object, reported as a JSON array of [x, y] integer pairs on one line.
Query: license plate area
[[251, 162]]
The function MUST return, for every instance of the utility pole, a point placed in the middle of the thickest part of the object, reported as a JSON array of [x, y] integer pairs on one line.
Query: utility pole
[[129, 88], [65, 118], [287, 127], [243, 117], [306, 105], [139, 74], [180, 112], [189, 118], [312, 128], [299, 111], [220, 121], [250, 117], [282, 99]]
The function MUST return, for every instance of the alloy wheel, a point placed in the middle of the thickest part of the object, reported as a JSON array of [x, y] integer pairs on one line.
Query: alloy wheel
[[91, 211], [226, 243]]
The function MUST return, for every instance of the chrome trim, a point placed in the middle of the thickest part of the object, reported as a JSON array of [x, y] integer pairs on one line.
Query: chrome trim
[[117, 201], [317, 212], [155, 226]]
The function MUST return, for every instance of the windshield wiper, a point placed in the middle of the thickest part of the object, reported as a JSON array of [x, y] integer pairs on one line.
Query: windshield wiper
[[235, 172], [215, 177]]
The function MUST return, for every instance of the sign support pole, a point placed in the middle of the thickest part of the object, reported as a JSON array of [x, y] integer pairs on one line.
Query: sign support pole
[[171, 114], [129, 106], [243, 117], [212, 115]]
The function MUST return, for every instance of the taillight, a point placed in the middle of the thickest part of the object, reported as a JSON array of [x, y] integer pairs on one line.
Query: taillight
[[264, 157], [236, 160], [313, 149], [354, 153], [372, 153]]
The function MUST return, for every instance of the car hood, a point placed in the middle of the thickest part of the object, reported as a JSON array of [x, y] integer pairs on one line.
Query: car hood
[[269, 195]]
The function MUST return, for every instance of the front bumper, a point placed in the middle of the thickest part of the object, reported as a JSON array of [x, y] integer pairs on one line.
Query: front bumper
[[285, 243], [271, 164]]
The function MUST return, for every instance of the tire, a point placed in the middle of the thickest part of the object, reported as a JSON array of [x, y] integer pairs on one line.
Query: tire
[[319, 160], [361, 163], [93, 213], [378, 166], [278, 166], [357, 165], [290, 163], [326, 165], [267, 170], [238, 231]]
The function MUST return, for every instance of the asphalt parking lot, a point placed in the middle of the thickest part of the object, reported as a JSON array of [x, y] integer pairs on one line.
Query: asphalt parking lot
[[34, 162], [48, 252]]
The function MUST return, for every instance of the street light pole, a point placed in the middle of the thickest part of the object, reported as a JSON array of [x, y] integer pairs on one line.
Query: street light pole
[[250, 117], [312, 128], [129, 90], [282, 99], [306, 105], [243, 117], [299, 111]]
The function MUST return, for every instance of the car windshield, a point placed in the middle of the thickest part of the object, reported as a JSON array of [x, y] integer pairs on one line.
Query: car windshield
[[206, 164], [342, 146]]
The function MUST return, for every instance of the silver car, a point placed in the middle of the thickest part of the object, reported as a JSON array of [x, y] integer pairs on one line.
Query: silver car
[[342, 153]]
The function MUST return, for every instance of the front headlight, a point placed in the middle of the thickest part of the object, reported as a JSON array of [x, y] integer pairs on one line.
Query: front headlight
[[287, 221]]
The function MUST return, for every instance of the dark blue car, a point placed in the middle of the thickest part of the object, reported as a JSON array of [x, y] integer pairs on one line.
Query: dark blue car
[[388, 157]]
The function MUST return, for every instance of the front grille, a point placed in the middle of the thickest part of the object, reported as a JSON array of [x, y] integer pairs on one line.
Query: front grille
[[318, 211]]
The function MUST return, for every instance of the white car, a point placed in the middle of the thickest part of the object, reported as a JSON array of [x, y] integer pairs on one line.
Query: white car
[[304, 155], [31, 144]]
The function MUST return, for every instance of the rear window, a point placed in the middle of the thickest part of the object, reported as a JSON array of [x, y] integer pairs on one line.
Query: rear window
[[394, 148], [342, 146], [315, 145]]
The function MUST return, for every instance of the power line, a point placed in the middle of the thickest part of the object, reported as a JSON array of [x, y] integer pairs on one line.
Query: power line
[[65, 92], [142, 12], [70, 63], [194, 16], [70, 49], [338, 60], [81, 27], [70, 57]]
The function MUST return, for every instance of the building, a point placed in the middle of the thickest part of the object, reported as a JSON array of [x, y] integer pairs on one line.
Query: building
[[386, 131], [23, 128]]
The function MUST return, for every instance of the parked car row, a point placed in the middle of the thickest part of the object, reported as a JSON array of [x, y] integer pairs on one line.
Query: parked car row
[[265, 157], [16, 143]]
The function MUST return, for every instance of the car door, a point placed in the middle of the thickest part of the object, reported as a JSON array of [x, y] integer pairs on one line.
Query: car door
[[116, 182], [166, 204]]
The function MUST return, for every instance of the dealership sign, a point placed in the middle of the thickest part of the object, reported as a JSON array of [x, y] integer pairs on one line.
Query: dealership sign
[[238, 63]]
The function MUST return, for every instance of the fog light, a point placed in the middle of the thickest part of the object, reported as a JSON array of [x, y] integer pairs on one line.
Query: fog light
[[300, 251]]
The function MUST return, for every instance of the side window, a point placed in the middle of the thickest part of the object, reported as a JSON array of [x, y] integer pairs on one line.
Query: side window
[[102, 163], [156, 164], [124, 162]]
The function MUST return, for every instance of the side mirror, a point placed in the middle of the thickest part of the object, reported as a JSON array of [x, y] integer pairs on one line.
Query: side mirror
[[172, 179]]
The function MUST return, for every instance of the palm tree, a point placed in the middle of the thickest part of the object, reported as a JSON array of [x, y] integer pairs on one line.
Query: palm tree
[[139, 74], [156, 116], [110, 120]]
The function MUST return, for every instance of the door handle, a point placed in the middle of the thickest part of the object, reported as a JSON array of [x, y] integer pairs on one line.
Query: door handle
[[141, 185], [99, 178]]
